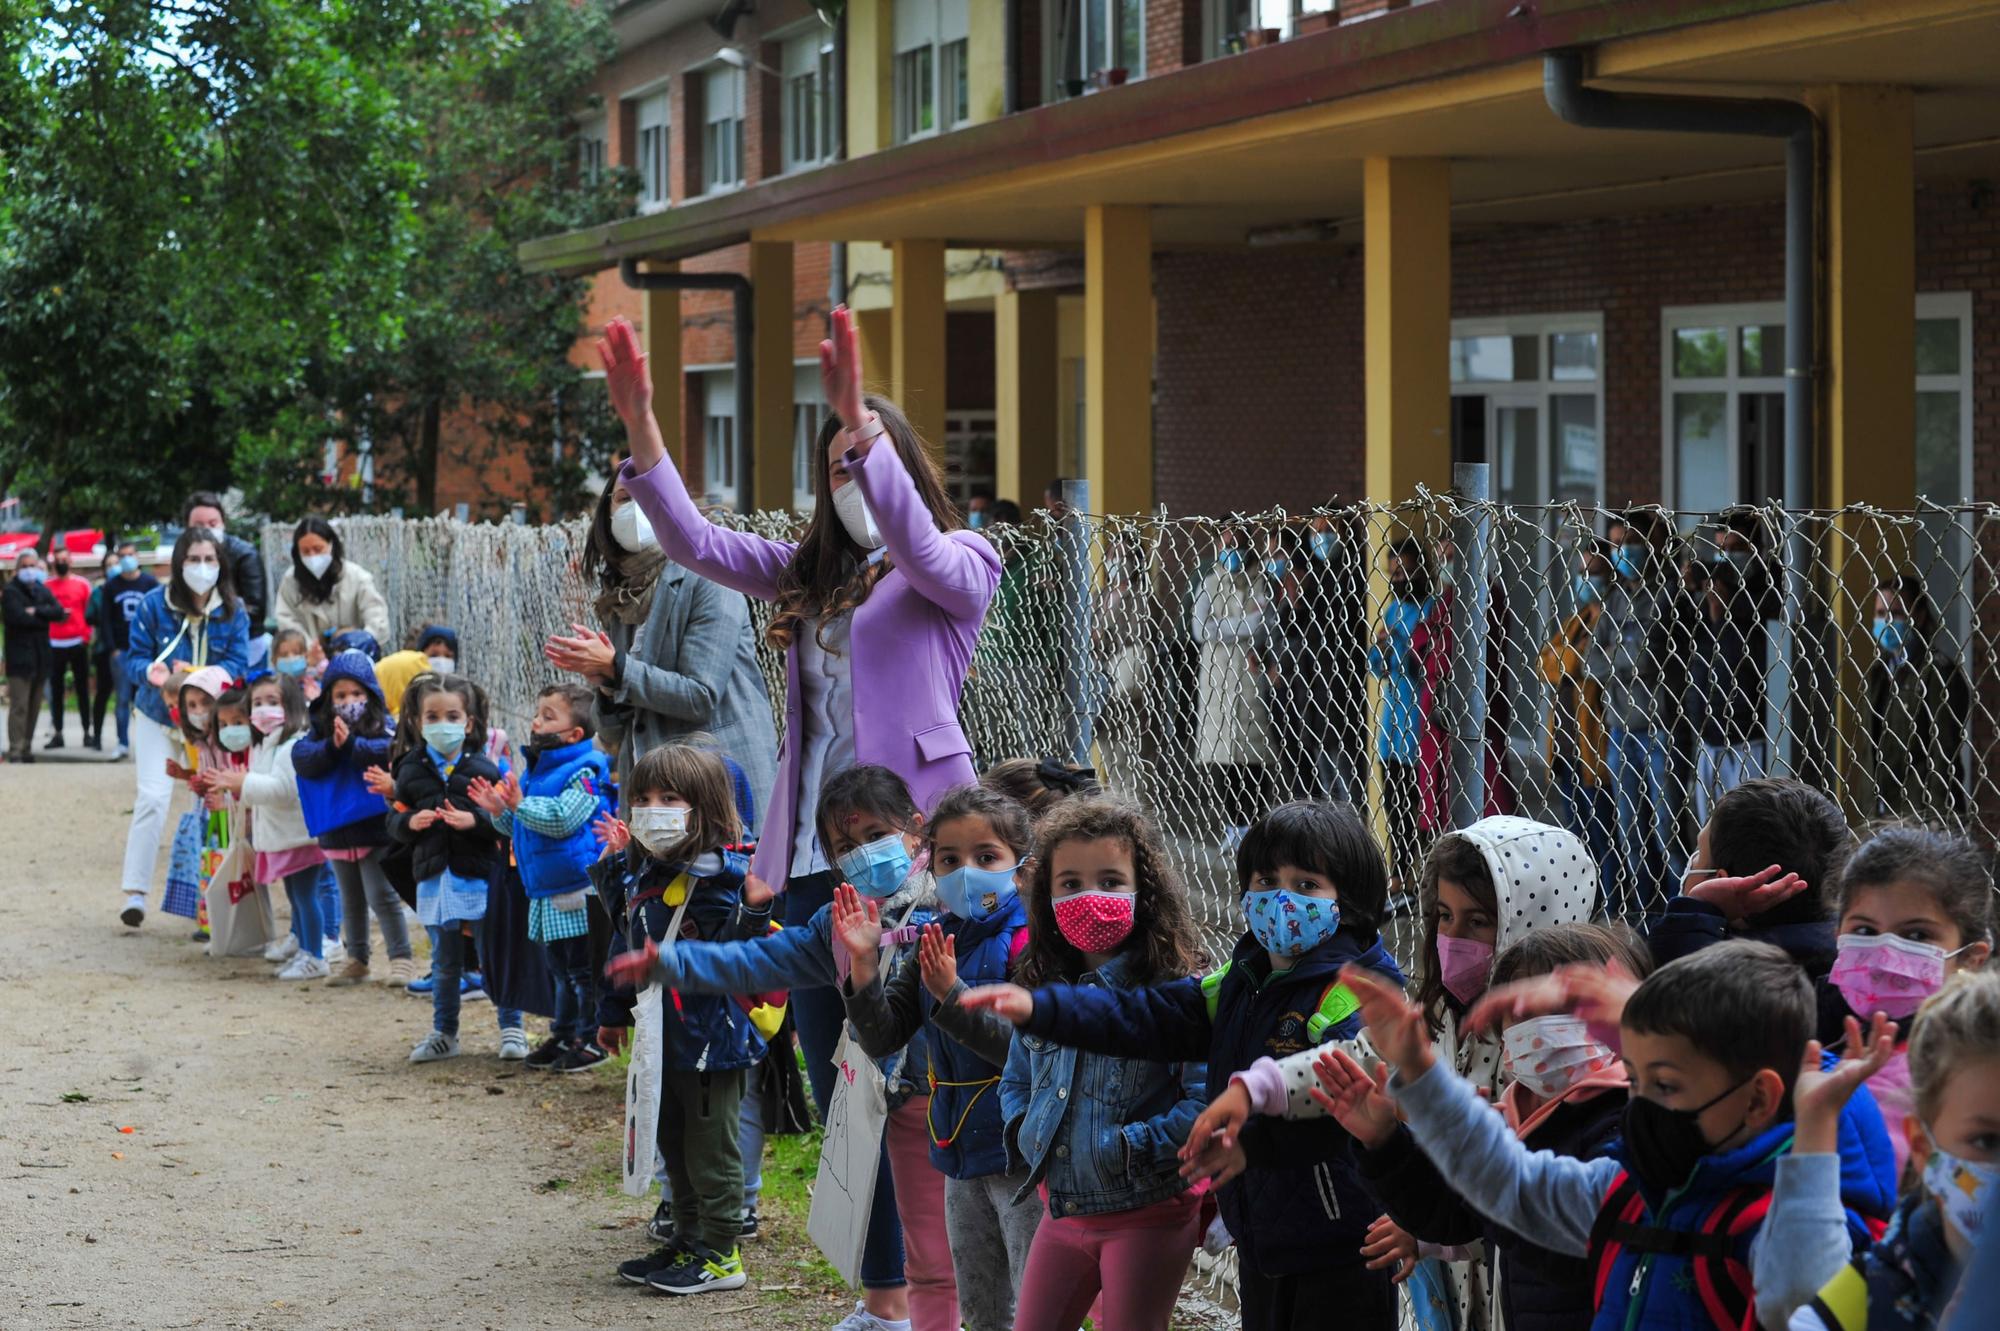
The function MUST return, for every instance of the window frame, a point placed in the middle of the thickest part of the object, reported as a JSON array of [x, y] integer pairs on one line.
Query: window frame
[[593, 149], [715, 74], [656, 97], [1732, 384], [820, 70], [1056, 77], [1541, 390]]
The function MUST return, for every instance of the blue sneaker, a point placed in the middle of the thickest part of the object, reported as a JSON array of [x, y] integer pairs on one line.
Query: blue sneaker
[[471, 987], [421, 988]]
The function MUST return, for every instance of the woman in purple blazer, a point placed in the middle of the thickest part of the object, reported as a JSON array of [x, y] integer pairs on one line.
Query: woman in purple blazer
[[878, 608]]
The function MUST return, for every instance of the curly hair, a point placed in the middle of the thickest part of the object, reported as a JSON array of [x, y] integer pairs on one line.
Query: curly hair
[[1162, 944], [1010, 820]]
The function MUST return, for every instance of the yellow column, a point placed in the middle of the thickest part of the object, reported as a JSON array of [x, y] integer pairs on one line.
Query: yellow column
[[1024, 371], [878, 342], [1118, 357], [1406, 262], [916, 321], [871, 75], [771, 357], [660, 338], [986, 59]]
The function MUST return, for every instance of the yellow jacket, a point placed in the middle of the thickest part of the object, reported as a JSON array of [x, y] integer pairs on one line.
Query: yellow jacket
[[1576, 720]]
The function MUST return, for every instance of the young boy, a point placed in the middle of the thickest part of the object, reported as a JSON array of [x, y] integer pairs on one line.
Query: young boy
[[1673, 1223], [549, 815]]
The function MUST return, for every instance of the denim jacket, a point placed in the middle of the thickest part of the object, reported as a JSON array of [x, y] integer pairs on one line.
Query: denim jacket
[[1102, 1132]]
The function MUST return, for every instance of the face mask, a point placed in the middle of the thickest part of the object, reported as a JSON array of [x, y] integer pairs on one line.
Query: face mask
[[631, 529], [973, 893], [1590, 590], [235, 738], [1276, 567], [541, 742], [878, 868], [1739, 558], [1891, 635], [197, 720], [317, 565], [852, 509], [445, 736], [658, 829], [1465, 965], [289, 665], [31, 575], [1095, 921], [1324, 544], [443, 665], [60, 570], [975, 520], [1884, 973], [352, 712], [201, 578], [1630, 561], [1964, 1189], [268, 719], [1290, 924], [1548, 1055], [1448, 573], [1664, 1145], [1231, 561], [215, 527]]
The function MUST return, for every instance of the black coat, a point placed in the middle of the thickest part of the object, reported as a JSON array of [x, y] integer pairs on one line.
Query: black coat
[[246, 570], [473, 853], [30, 609]]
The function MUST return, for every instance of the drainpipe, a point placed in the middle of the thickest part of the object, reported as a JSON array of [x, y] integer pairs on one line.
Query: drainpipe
[[836, 259], [738, 286]]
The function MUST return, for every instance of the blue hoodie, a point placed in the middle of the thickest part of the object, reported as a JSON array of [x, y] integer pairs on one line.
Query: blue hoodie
[[340, 809], [159, 632]]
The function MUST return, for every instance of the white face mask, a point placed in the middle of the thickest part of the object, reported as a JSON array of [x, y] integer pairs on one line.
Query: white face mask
[[851, 507], [200, 578], [443, 665], [1548, 1055], [659, 829], [631, 528], [317, 565]]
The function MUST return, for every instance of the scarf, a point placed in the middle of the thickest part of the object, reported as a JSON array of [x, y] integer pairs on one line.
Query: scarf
[[631, 600]]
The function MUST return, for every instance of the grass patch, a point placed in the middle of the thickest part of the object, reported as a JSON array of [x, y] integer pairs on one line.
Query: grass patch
[[790, 1166]]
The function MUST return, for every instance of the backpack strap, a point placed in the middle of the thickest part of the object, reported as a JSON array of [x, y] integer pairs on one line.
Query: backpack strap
[[1211, 988], [1336, 1004], [1723, 1278], [1622, 1206], [1843, 1304]]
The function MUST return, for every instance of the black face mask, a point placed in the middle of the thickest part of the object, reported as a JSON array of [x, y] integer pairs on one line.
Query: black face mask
[[1664, 1145]]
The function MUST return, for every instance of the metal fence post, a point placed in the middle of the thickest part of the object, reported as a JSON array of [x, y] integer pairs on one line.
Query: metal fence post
[[1471, 607], [1078, 690]]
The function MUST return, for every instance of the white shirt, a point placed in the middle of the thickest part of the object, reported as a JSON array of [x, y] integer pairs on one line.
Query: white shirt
[[826, 678]]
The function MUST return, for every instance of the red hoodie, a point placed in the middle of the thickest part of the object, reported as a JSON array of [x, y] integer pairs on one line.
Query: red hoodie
[[73, 594]]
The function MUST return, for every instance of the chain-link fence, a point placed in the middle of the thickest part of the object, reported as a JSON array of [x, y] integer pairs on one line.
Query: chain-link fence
[[1430, 661]]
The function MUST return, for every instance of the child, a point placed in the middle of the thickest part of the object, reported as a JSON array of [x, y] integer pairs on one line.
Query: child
[[978, 839], [285, 850], [196, 700], [1411, 644], [1911, 1279], [1916, 907], [1101, 1135], [873, 832], [290, 657], [676, 881], [455, 850], [549, 816], [1314, 887], [1673, 1223], [1039, 785], [350, 730]]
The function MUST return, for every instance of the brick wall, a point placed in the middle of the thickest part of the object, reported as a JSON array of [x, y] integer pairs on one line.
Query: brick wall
[[1173, 35]]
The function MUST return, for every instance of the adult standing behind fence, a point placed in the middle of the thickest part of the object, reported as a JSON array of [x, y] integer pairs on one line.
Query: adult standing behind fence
[[194, 620], [246, 567], [674, 655], [1917, 706], [324, 593], [30, 612], [1233, 718]]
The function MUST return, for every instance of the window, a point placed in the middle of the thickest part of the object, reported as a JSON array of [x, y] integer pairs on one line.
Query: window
[[1094, 36], [808, 411], [955, 89], [593, 142], [653, 122], [916, 95], [970, 446], [932, 76], [722, 128], [1230, 22], [718, 436], [1946, 547], [1723, 370], [809, 107]]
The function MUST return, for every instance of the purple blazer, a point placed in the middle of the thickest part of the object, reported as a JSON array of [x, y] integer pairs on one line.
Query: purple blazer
[[911, 642]]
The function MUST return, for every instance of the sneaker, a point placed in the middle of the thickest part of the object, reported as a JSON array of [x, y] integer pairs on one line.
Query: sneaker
[[352, 971], [472, 987], [749, 1230], [549, 1053], [282, 949], [332, 951], [661, 1258], [513, 1044], [305, 966], [863, 1320], [55, 742], [705, 1272], [421, 987], [134, 913], [660, 1228], [581, 1057], [95, 743], [402, 970], [198, 936], [124, 754], [435, 1046]]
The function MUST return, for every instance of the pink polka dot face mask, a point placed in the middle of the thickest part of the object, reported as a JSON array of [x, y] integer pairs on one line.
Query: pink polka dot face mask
[[1548, 1055], [1095, 921]]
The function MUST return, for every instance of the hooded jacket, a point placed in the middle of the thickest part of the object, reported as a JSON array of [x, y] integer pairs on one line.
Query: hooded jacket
[[340, 809]]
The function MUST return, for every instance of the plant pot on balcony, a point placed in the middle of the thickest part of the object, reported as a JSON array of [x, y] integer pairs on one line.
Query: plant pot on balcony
[[1114, 77], [1315, 20], [1263, 37], [1351, 10]]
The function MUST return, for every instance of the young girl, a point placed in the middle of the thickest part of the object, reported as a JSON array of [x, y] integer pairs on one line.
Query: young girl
[[350, 730], [872, 829], [1101, 1135], [291, 657], [672, 878], [196, 701], [456, 850], [1916, 907], [978, 839], [1314, 888], [1910, 1280]]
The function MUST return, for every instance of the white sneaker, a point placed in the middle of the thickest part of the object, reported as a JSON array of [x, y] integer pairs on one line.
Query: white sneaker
[[282, 949], [863, 1320], [435, 1046], [305, 966], [333, 952], [134, 913], [513, 1044]]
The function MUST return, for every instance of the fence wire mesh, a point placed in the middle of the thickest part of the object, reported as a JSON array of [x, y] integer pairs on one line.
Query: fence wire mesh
[[1431, 661]]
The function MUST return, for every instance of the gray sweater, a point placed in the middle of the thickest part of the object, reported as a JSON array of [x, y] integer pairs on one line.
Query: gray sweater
[[1624, 655]]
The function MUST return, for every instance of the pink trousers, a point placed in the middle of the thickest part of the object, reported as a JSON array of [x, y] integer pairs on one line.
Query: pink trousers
[[1137, 1258], [920, 1206]]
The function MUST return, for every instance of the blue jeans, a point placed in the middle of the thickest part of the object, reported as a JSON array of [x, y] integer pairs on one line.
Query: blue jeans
[[329, 903], [125, 691], [1638, 761], [447, 964], [576, 989], [302, 890]]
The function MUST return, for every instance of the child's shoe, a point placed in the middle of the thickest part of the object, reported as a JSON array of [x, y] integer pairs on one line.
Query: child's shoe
[[750, 1228], [706, 1271], [435, 1046], [402, 970], [863, 1320], [352, 971], [134, 913], [513, 1044], [305, 966], [661, 1258], [660, 1228], [471, 987], [281, 949], [333, 952], [547, 1054], [421, 986], [581, 1057], [198, 936]]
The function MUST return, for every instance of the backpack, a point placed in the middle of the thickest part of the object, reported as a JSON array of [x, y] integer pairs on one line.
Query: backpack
[[1721, 1276], [1336, 1003]]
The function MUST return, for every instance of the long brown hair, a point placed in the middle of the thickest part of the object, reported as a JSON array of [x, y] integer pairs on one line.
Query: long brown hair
[[1161, 945], [829, 574]]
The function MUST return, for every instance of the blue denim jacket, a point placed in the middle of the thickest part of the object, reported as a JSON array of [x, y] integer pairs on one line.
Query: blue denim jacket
[[1101, 1131]]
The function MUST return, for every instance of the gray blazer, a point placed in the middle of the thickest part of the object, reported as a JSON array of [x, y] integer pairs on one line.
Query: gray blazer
[[691, 668]]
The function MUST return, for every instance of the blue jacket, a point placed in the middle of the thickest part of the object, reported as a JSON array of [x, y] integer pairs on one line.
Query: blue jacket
[[340, 809], [1687, 926], [160, 632], [1301, 1205], [1102, 1132], [1403, 674], [552, 866], [705, 1032], [965, 1121]]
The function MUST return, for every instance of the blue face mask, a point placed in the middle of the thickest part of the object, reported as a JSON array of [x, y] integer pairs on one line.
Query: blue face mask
[[289, 665], [975, 520], [1289, 924], [973, 894], [235, 738], [878, 868], [1276, 567], [1590, 590], [1231, 561], [1630, 561], [447, 737], [1891, 635], [1324, 544], [129, 565]]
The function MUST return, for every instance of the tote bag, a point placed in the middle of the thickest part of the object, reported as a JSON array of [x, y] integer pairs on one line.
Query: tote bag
[[184, 881], [850, 1155]]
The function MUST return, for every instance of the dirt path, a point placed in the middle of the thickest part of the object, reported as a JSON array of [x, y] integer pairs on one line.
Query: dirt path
[[184, 1142]]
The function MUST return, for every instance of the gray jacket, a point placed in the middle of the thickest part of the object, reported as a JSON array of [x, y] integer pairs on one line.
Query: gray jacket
[[1625, 656], [691, 668]]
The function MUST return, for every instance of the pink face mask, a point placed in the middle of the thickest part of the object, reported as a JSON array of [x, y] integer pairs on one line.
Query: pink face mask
[[1465, 965], [1885, 973], [1095, 921]]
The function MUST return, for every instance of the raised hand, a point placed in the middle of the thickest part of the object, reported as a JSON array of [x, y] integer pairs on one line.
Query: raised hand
[[380, 782], [1009, 1001], [479, 790], [626, 376], [340, 732], [857, 923], [1215, 1130], [937, 962], [629, 970], [1395, 1024], [1740, 899], [1388, 1245], [611, 831], [1595, 993], [1358, 1101], [461, 820], [840, 371], [1819, 1095], [757, 893]]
